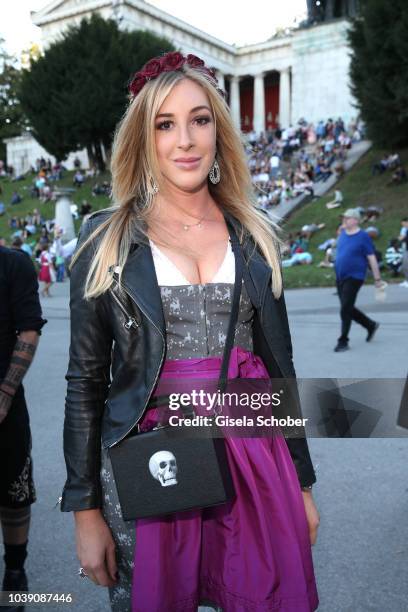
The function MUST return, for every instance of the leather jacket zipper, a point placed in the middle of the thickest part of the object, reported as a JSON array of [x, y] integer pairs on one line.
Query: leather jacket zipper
[[158, 370], [130, 321]]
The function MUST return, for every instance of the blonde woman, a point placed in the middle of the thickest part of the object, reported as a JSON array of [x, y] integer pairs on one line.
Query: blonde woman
[[150, 289]]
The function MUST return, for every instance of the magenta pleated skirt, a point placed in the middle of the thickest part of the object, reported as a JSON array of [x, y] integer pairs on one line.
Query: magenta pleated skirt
[[250, 555]]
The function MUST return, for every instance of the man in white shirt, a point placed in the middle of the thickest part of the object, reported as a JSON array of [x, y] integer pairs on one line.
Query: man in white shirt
[[404, 229], [274, 164], [252, 137], [285, 135]]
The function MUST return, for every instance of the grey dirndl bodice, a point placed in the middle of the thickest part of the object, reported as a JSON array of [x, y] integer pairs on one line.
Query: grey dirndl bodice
[[197, 318]]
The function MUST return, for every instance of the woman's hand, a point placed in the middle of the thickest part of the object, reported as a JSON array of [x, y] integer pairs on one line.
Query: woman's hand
[[95, 547], [312, 515]]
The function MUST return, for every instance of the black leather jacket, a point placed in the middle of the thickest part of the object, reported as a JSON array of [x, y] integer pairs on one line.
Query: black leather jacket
[[117, 350]]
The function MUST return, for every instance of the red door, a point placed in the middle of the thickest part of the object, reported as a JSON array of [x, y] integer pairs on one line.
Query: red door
[[246, 90], [271, 105]]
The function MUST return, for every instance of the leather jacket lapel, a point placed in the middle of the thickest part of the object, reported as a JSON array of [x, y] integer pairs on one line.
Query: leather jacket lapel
[[139, 279]]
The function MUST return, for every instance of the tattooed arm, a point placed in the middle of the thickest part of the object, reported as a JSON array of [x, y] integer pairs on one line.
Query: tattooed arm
[[21, 359], [22, 312]]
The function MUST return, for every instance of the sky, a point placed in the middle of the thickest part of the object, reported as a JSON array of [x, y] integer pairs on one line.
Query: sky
[[220, 18]]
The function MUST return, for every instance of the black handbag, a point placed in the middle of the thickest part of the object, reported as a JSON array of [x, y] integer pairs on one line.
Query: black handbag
[[174, 469]]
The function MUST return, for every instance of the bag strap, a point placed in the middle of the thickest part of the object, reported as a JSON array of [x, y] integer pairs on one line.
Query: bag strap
[[229, 342], [249, 283]]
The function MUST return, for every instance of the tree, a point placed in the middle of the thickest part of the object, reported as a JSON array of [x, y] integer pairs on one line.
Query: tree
[[75, 94], [379, 70], [12, 119]]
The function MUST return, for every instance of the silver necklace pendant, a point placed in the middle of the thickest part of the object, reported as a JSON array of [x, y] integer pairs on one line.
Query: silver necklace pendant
[[187, 227]]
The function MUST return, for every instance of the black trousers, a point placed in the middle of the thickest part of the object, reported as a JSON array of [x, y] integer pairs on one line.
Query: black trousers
[[348, 289]]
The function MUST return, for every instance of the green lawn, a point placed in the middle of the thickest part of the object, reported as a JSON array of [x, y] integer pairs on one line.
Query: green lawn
[[47, 210], [359, 188]]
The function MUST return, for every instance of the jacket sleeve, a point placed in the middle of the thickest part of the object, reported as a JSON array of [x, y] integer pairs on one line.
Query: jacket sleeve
[[23, 294], [88, 384], [298, 447]]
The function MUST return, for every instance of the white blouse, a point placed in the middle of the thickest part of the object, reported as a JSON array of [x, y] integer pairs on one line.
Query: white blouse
[[168, 273]]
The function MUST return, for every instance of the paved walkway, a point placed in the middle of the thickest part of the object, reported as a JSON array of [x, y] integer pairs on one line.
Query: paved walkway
[[362, 492], [315, 325], [284, 210]]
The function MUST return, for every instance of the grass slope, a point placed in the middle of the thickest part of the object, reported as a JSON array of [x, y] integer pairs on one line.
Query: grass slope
[[359, 188], [47, 210]]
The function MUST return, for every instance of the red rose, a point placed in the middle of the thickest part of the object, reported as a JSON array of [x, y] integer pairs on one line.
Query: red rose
[[172, 61], [152, 69], [136, 84], [167, 63], [194, 61], [210, 72]]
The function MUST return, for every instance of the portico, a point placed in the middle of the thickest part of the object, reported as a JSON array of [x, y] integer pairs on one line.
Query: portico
[[269, 84], [260, 101], [297, 73]]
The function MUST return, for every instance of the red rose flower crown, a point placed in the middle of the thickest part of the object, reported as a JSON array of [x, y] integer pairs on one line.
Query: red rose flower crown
[[167, 63]]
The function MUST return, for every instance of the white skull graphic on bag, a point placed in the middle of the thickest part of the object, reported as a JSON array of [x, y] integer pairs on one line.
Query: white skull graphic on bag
[[163, 467]]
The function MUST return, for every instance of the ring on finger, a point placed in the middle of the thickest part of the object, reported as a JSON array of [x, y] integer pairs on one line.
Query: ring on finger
[[81, 573]]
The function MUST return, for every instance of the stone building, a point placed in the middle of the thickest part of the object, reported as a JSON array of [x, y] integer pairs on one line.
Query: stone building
[[301, 72]]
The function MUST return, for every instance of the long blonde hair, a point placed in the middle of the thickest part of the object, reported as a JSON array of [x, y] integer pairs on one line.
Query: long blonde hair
[[134, 167]]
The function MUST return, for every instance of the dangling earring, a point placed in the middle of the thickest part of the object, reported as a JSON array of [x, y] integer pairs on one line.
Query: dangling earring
[[154, 186], [215, 173]]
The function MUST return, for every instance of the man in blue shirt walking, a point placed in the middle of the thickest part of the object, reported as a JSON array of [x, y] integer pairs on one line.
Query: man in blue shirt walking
[[354, 253]]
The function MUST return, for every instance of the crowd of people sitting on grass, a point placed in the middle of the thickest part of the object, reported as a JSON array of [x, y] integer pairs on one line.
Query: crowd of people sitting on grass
[[45, 189], [42, 240], [287, 163], [391, 163], [296, 250], [30, 222], [283, 164], [296, 246], [46, 174]]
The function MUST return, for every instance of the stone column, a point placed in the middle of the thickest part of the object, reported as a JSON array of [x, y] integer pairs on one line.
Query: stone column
[[329, 10], [259, 103], [220, 79], [63, 217], [352, 8], [234, 102], [284, 99]]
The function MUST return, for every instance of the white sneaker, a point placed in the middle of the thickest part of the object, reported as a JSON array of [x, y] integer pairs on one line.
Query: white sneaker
[[403, 284]]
